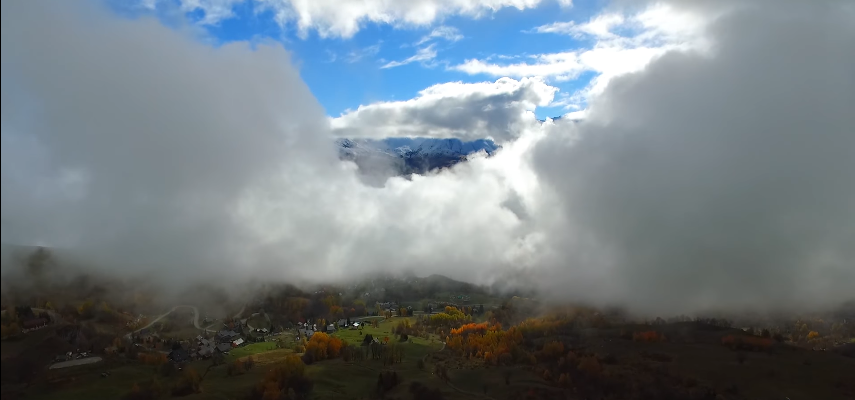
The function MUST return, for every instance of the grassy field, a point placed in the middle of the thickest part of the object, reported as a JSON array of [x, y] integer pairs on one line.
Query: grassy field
[[252, 349], [86, 383], [13, 347], [785, 372], [385, 329]]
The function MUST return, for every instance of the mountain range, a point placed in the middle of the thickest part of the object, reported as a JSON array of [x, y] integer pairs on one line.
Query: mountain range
[[383, 158]]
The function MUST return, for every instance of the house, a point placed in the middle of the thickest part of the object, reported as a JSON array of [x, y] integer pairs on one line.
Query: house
[[206, 351], [342, 322], [227, 335], [331, 328], [179, 355], [224, 347], [237, 342], [307, 333], [33, 324]]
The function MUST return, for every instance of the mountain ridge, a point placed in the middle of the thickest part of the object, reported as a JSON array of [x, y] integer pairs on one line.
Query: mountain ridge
[[406, 156]]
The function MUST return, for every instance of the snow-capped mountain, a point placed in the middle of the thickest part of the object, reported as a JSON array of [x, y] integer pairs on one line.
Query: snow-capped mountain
[[405, 156]]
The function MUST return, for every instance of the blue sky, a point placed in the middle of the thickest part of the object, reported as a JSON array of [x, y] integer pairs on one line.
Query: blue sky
[[346, 72]]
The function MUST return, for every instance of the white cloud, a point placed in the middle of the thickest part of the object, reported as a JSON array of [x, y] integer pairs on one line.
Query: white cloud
[[599, 26], [678, 192], [422, 55], [170, 158], [469, 111], [622, 44], [716, 179], [344, 18], [561, 66], [364, 52], [213, 11], [448, 33]]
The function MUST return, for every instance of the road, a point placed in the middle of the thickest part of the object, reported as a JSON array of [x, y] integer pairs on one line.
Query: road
[[74, 363]]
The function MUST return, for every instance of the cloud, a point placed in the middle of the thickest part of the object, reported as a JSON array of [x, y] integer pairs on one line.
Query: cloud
[[600, 26], [468, 111], [448, 33], [357, 55], [159, 155], [422, 55], [561, 66], [712, 177], [343, 19], [715, 179], [213, 11], [622, 43]]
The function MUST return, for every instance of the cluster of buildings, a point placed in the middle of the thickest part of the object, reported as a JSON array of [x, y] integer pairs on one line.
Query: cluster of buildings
[[388, 306], [34, 324], [222, 342], [71, 356]]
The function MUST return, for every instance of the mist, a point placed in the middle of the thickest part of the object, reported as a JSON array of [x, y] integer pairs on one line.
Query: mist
[[716, 177]]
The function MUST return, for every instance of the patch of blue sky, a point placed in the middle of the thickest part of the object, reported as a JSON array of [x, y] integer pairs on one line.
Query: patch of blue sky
[[346, 73]]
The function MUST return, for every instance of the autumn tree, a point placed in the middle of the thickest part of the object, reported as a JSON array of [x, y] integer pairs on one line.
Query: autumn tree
[[322, 346], [285, 379], [189, 383]]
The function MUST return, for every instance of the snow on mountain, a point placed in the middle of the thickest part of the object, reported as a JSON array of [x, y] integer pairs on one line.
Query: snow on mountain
[[405, 156]]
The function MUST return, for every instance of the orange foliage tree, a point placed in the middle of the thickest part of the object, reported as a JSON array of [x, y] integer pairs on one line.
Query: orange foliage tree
[[648, 336], [553, 350], [483, 341], [322, 346], [287, 375]]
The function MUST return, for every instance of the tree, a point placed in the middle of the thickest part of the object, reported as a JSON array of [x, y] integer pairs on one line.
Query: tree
[[189, 383], [166, 370], [236, 367], [286, 377]]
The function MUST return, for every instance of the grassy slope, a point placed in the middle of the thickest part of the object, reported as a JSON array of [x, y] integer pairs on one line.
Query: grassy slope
[[786, 372]]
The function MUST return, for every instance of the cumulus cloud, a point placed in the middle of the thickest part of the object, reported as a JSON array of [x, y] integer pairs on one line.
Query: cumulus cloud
[[716, 179], [160, 154], [468, 111], [714, 176]]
